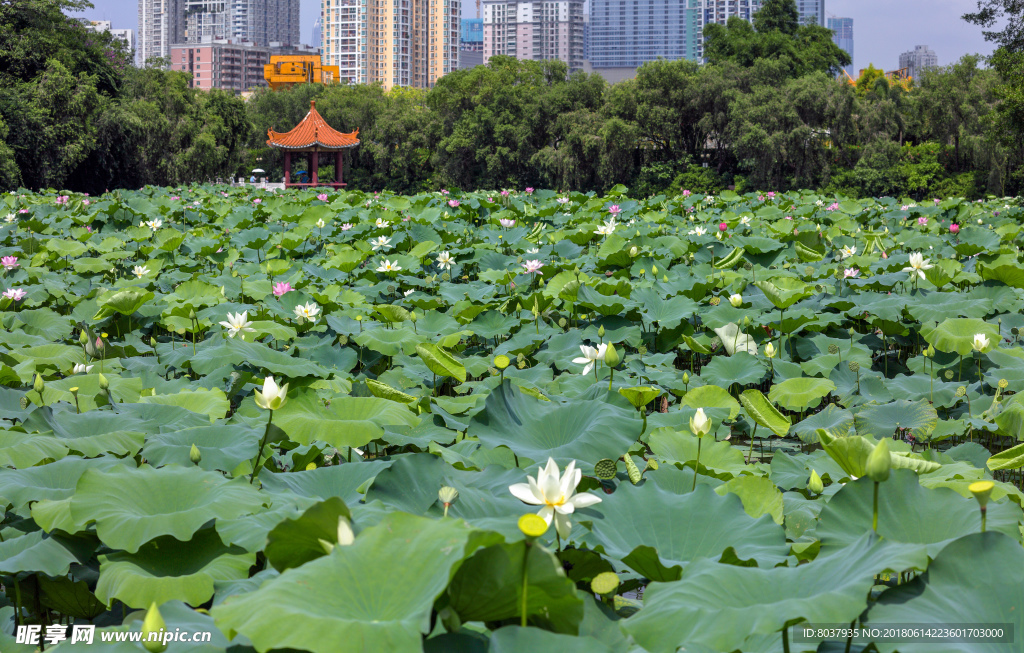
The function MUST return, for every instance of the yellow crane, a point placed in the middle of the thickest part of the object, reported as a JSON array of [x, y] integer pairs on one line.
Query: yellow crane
[[284, 71]]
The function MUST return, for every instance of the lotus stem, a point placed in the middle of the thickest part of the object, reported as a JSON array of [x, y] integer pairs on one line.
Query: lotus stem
[[983, 516], [526, 560], [751, 456], [263, 443], [874, 519], [696, 466]]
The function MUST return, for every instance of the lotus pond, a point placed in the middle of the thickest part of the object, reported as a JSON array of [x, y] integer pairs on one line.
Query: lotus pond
[[495, 421]]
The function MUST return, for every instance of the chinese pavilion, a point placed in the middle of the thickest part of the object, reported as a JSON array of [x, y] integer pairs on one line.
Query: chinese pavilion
[[313, 135]]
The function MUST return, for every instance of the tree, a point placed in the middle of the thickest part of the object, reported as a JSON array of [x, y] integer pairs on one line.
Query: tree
[[990, 12], [777, 15], [807, 49]]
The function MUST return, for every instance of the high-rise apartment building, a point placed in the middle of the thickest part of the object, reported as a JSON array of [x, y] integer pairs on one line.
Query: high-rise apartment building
[[704, 12], [918, 59], [228, 65], [548, 29], [471, 43], [842, 36], [394, 42], [812, 12], [628, 33], [161, 23]]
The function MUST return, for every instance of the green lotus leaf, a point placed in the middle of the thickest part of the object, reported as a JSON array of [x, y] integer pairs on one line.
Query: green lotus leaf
[[226, 352], [347, 422], [37, 551], [212, 402], [956, 335], [223, 447], [783, 292], [512, 639], [21, 450], [758, 494], [341, 481], [133, 506], [384, 391], [717, 458], [909, 513], [440, 362], [348, 597], [758, 408], [640, 396], [167, 569], [882, 421], [711, 396], [801, 393], [659, 533], [1012, 458], [125, 302], [295, 542], [54, 481]]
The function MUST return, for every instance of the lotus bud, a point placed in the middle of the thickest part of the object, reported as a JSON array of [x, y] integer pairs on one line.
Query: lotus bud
[[611, 356], [686, 378], [880, 462], [192, 314], [194, 455], [38, 384], [345, 534], [633, 251], [747, 321], [769, 350], [654, 269], [153, 623], [83, 338], [600, 331], [815, 486], [700, 425], [104, 384], [736, 300], [930, 352], [447, 495], [152, 342]]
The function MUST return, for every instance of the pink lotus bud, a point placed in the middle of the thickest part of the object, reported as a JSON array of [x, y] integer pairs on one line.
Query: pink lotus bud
[[954, 228], [723, 227]]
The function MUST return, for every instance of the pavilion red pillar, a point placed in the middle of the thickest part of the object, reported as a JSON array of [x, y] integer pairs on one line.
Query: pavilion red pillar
[[314, 167], [337, 167], [287, 168]]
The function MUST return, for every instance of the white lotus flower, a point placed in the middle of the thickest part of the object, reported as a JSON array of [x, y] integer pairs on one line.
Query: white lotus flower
[[408, 292], [769, 350], [734, 340], [633, 251], [736, 300], [237, 322], [533, 267], [10, 217], [918, 264], [847, 252], [154, 224], [745, 219], [388, 266], [700, 425], [557, 495], [981, 342], [533, 250], [307, 312], [381, 223], [81, 368], [320, 223], [140, 270], [849, 273], [346, 226], [608, 228], [699, 231], [445, 260], [381, 243], [590, 357], [273, 396], [507, 223]]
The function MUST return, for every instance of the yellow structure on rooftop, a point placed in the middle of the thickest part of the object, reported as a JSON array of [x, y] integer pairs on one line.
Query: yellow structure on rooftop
[[284, 71]]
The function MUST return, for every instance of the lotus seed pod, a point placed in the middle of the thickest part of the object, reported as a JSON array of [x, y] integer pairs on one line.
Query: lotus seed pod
[[605, 583], [342, 340], [195, 455], [562, 322], [38, 384], [600, 331], [854, 366], [1003, 384], [879, 462], [521, 365], [520, 358], [104, 384], [808, 270], [961, 391], [631, 469], [153, 623], [833, 349], [446, 277], [310, 467], [982, 491], [532, 525], [715, 301], [949, 375], [611, 356], [814, 485], [747, 266], [642, 350], [447, 494], [73, 391], [606, 469]]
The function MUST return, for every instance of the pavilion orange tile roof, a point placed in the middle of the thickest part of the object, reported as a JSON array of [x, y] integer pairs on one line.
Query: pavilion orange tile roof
[[312, 131]]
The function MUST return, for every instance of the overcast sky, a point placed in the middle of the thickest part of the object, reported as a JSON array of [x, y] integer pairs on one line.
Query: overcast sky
[[882, 28]]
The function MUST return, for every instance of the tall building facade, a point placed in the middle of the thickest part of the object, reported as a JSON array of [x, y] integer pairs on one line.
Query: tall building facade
[[226, 64], [548, 29], [842, 36], [394, 42], [702, 13], [125, 35], [812, 12], [471, 43], [627, 33], [161, 24], [918, 59]]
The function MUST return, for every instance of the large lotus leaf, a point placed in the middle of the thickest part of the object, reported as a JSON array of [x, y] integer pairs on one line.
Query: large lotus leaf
[[741, 368], [489, 587], [783, 292], [69, 597], [166, 569], [668, 313], [1012, 458], [37, 551], [515, 639], [801, 393], [133, 506], [412, 482], [45, 323], [250, 531], [225, 352], [719, 459], [956, 335], [22, 450], [585, 430], [212, 402], [977, 579], [125, 302], [55, 481], [711, 396], [222, 447], [347, 422], [348, 600], [882, 421], [295, 542], [758, 494], [718, 606], [390, 342], [909, 513], [441, 362], [90, 396], [129, 418], [324, 482], [851, 453], [758, 408], [937, 306], [832, 419], [658, 532]]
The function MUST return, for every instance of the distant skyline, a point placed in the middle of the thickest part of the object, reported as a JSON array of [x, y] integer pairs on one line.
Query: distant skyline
[[882, 28]]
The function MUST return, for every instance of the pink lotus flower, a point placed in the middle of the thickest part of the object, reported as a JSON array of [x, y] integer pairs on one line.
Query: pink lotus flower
[[723, 227], [760, 198], [533, 267], [346, 226], [175, 197], [789, 217], [922, 221], [9, 262], [22, 210], [490, 199], [504, 193], [444, 191], [954, 228], [507, 223], [17, 294], [771, 194], [832, 207], [281, 288], [322, 197], [937, 200], [257, 201], [85, 202], [529, 190], [88, 228], [686, 193], [62, 199], [850, 272], [453, 203], [904, 207], [614, 209]]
